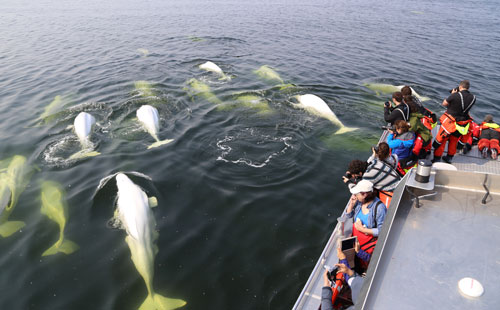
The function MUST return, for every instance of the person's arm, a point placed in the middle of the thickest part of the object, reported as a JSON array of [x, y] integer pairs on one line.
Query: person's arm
[[391, 116], [446, 102], [381, 212], [326, 293], [369, 231], [361, 253], [393, 143], [350, 208]]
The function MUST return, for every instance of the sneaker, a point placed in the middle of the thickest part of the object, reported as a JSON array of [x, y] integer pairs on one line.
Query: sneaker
[[494, 154], [484, 152]]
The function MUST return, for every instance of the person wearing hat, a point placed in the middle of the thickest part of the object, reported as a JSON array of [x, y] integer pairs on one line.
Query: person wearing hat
[[368, 214], [489, 137]]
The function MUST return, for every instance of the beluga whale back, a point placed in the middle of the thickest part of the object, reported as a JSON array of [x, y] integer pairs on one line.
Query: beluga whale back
[[83, 126], [148, 117], [388, 88], [135, 216], [211, 67], [315, 105]]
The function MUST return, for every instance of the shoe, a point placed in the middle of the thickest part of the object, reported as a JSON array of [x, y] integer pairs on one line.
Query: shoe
[[484, 152], [447, 159], [436, 159], [494, 154]]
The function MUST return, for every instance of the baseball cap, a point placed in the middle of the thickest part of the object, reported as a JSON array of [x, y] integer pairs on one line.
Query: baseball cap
[[363, 186]]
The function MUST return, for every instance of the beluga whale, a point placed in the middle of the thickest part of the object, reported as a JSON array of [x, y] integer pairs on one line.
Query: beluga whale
[[148, 117], [315, 105], [134, 215], [267, 73], [211, 67], [83, 126], [14, 177], [55, 208], [200, 89], [388, 88]]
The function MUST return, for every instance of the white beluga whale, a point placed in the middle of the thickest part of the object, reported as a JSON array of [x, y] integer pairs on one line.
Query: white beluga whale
[[211, 67], [144, 52], [83, 126], [315, 105], [148, 117], [388, 88], [133, 214]]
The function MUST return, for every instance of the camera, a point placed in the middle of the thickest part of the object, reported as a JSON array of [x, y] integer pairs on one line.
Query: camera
[[454, 89], [387, 104], [388, 128], [332, 272], [348, 175], [375, 148]]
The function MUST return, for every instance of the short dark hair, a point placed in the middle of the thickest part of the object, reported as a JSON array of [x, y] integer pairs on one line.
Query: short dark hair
[[406, 90], [357, 166], [464, 84], [398, 96]]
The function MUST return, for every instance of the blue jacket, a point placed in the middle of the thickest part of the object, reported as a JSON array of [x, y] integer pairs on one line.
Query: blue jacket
[[401, 145], [381, 212]]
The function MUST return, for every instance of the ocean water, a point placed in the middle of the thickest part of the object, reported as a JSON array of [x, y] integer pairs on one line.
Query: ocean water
[[247, 195]]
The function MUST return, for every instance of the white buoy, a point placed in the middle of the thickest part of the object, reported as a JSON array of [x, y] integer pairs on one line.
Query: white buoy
[[470, 287]]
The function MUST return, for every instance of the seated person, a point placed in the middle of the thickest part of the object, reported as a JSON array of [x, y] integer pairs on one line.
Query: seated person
[[382, 172], [489, 136], [354, 280], [401, 141], [368, 214], [400, 112], [354, 171]]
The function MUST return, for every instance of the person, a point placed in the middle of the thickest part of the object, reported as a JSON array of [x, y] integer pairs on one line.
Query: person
[[368, 214], [430, 119], [400, 112], [423, 137], [382, 172], [354, 172], [401, 141], [455, 121], [354, 280], [489, 136]]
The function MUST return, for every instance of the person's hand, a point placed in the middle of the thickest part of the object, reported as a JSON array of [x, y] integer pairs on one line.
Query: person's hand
[[352, 202], [344, 269], [454, 90], [340, 254], [359, 226], [374, 152], [326, 281], [345, 179], [356, 246]]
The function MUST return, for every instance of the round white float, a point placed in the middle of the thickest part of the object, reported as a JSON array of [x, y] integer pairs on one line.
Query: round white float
[[470, 287]]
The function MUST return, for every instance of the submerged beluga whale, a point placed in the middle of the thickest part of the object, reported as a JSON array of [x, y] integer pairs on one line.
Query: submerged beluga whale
[[133, 214], [388, 88], [211, 67], [83, 126], [315, 105], [267, 73], [55, 208], [13, 180], [148, 117]]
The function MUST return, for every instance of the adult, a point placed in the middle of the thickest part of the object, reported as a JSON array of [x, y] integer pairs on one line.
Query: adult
[[423, 137], [368, 214], [382, 172], [430, 118], [354, 172], [489, 137], [455, 121], [401, 141], [401, 111]]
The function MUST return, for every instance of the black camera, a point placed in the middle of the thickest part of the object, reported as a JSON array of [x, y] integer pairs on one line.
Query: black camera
[[348, 175], [454, 89], [332, 273], [388, 128], [387, 104]]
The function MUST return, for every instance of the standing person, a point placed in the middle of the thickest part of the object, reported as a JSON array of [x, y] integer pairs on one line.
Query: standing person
[[368, 214], [455, 121], [430, 119], [400, 112], [423, 137]]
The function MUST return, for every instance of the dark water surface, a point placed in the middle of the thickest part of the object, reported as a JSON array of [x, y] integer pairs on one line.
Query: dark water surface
[[246, 199]]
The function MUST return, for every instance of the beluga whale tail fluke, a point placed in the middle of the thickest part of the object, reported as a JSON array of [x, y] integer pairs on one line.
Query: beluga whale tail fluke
[[55, 208], [316, 106], [134, 214], [148, 117], [83, 126], [211, 67]]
